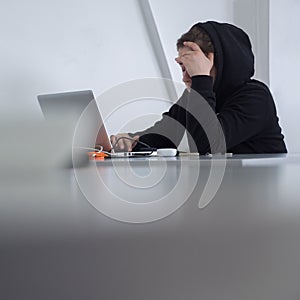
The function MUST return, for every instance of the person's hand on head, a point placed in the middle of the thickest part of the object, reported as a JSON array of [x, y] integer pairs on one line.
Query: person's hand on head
[[123, 141], [193, 60]]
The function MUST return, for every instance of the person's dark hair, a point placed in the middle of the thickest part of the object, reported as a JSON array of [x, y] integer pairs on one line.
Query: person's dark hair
[[198, 36]]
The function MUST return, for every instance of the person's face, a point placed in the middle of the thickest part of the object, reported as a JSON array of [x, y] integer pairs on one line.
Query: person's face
[[185, 76]]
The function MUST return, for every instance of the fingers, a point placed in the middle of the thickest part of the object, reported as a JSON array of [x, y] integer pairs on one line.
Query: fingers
[[210, 56], [192, 45], [123, 142], [117, 141], [113, 139], [193, 60], [179, 59], [132, 142]]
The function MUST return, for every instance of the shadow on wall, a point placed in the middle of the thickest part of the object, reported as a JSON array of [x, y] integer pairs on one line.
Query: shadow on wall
[[253, 17]]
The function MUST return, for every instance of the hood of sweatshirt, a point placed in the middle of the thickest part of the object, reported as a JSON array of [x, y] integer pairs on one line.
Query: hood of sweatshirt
[[233, 58]]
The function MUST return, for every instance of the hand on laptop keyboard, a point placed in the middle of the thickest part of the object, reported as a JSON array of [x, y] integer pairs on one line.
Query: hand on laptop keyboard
[[123, 142]]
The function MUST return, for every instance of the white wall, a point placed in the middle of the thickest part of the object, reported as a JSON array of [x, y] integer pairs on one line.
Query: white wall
[[285, 66], [60, 45]]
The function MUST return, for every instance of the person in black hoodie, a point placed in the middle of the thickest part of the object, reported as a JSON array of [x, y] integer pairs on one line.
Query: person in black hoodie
[[217, 64]]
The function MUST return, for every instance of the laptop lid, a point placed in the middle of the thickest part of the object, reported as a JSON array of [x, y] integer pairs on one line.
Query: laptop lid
[[79, 110]]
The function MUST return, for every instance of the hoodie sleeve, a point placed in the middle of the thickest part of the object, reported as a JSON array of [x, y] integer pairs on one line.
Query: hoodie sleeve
[[167, 132], [202, 124]]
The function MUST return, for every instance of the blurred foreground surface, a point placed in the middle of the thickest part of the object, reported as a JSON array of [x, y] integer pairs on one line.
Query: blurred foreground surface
[[55, 245]]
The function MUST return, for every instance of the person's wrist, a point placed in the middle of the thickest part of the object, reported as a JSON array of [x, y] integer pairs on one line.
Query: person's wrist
[[202, 82], [199, 73]]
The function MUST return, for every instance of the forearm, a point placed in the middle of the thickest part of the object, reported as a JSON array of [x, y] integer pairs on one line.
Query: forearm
[[168, 132]]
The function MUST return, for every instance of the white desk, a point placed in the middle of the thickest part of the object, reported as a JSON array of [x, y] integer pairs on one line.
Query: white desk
[[244, 245]]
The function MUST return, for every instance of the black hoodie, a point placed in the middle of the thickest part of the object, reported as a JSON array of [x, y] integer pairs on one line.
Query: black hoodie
[[244, 107]]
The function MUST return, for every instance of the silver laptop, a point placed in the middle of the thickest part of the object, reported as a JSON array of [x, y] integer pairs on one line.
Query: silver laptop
[[79, 110]]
